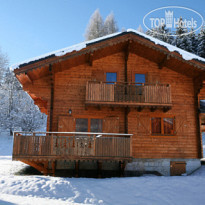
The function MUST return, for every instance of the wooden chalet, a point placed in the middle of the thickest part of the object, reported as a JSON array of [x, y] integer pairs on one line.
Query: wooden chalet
[[117, 102]]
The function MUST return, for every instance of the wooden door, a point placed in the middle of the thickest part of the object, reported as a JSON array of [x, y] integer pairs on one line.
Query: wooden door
[[177, 168], [152, 78], [66, 124], [143, 124], [181, 125], [111, 125], [98, 75]]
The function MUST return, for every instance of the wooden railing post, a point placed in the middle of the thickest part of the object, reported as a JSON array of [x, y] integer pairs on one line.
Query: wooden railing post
[[15, 144], [94, 144], [51, 144], [40, 146], [87, 98], [130, 146]]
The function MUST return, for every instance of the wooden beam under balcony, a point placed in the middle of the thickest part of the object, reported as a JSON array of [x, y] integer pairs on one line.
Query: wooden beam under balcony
[[130, 104]]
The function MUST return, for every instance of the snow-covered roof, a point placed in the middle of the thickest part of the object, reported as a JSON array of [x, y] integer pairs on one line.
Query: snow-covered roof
[[77, 47]]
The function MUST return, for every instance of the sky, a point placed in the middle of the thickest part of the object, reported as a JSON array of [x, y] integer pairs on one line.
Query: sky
[[30, 28]]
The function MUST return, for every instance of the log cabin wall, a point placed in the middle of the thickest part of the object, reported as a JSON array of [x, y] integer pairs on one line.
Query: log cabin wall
[[70, 90], [184, 144]]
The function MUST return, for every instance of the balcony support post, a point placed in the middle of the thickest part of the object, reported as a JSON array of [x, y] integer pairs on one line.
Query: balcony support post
[[99, 165], [163, 61], [77, 163], [121, 168], [126, 51], [89, 58], [126, 80], [53, 167]]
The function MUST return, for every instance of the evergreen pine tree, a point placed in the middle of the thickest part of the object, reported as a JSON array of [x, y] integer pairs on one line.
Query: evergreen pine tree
[[3, 65], [17, 108], [184, 42], [95, 26], [180, 31], [201, 43], [110, 25], [194, 41], [161, 33], [140, 29]]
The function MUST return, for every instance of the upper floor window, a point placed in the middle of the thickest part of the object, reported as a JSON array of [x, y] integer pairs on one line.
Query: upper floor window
[[139, 78], [162, 125], [111, 77]]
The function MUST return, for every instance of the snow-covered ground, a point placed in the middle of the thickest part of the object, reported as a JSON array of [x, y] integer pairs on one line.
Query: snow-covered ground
[[19, 189]]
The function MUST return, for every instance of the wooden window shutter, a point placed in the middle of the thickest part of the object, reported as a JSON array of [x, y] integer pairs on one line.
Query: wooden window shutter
[[152, 78], [181, 124], [143, 125], [66, 124], [111, 125], [98, 75]]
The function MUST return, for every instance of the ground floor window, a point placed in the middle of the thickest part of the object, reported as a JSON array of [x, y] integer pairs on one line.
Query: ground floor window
[[162, 125], [96, 125], [88, 125], [81, 125]]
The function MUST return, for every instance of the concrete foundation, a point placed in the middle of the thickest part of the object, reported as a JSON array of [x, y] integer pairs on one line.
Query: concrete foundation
[[160, 166]]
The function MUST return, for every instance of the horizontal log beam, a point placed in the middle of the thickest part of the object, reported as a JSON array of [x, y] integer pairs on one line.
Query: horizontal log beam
[[130, 104]]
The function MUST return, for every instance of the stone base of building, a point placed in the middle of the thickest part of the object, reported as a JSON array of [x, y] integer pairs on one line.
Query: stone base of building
[[165, 167]]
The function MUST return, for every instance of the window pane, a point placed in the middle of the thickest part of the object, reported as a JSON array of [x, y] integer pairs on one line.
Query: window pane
[[139, 78], [96, 125], [81, 125], [168, 125], [156, 125], [111, 77]]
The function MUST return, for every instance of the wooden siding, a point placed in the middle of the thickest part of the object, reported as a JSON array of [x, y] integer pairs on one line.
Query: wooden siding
[[183, 144]]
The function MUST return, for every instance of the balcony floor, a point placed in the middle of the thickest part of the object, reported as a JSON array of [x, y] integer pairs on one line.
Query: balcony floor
[[129, 104]]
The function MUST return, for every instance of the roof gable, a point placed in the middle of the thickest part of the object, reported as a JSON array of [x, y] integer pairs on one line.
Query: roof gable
[[77, 47], [141, 44]]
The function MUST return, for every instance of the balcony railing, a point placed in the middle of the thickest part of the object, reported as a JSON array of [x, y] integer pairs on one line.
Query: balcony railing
[[128, 94], [71, 146]]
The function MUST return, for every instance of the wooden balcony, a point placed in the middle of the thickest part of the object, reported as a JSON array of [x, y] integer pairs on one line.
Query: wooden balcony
[[121, 94], [71, 146]]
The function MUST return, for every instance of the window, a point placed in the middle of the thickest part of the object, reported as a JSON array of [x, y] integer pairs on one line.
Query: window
[[162, 126], [168, 124], [88, 125], [96, 125], [81, 125], [139, 78], [111, 77], [156, 125]]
